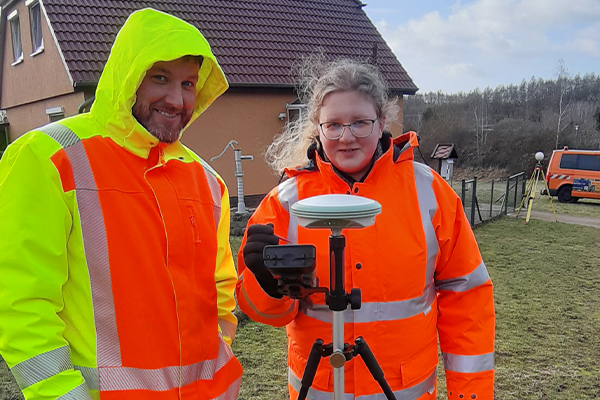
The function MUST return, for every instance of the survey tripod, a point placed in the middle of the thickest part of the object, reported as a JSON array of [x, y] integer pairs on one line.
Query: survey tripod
[[293, 266], [531, 189], [338, 351], [299, 284]]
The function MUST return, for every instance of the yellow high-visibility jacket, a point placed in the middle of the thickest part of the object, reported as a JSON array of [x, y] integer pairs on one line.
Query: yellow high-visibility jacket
[[116, 273]]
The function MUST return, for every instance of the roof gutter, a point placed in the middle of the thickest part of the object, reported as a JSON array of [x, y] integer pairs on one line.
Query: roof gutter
[[263, 85], [395, 91], [84, 85]]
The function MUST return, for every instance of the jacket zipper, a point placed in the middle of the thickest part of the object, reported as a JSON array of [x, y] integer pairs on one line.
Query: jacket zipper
[[196, 235]]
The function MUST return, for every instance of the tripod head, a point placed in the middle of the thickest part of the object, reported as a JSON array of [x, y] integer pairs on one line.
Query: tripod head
[[539, 156]]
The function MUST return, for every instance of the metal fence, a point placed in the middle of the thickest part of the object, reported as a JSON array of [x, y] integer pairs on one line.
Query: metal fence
[[482, 201], [486, 201]]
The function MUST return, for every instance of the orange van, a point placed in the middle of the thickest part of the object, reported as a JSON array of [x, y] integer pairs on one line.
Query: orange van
[[574, 174]]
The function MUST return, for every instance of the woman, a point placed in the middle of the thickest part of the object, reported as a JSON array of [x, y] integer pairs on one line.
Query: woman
[[418, 267]]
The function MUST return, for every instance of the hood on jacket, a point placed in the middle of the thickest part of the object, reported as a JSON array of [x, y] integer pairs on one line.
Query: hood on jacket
[[149, 36]]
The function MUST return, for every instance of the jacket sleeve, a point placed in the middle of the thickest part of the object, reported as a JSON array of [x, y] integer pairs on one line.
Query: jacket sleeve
[[252, 300], [466, 322], [35, 226], [225, 275]]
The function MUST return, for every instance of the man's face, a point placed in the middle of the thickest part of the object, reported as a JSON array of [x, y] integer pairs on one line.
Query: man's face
[[166, 98]]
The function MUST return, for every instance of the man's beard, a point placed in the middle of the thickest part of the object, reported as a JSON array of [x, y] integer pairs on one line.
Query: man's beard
[[143, 113]]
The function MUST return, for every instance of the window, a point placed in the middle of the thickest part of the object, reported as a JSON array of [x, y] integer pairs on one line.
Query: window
[[568, 161], [585, 162], [15, 33], [35, 21], [588, 162], [55, 113], [3, 138], [295, 111]]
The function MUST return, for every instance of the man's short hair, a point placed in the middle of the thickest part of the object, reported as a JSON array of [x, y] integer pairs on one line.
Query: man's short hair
[[196, 59]]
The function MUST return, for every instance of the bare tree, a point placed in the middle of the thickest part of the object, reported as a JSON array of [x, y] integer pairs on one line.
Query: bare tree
[[564, 89]]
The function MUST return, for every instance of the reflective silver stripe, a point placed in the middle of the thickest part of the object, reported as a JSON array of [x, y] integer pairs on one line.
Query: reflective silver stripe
[[313, 394], [228, 328], [63, 135], [468, 364], [288, 195], [478, 277], [427, 209], [95, 244], [372, 312], [215, 191], [231, 392], [411, 393], [42, 367], [257, 311], [81, 392], [90, 375], [161, 379]]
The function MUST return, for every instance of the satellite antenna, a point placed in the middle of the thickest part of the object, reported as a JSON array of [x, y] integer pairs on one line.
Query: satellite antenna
[[337, 212]]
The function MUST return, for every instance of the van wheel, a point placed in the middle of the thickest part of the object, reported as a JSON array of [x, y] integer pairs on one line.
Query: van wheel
[[564, 194]]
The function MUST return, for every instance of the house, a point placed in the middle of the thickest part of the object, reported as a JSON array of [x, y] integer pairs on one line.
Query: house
[[53, 52]]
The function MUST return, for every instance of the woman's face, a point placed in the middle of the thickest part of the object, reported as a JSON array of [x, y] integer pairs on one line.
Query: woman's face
[[350, 154]]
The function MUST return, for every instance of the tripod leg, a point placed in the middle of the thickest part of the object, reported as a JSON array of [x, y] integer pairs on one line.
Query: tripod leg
[[526, 194], [550, 197], [532, 194], [311, 368], [365, 352]]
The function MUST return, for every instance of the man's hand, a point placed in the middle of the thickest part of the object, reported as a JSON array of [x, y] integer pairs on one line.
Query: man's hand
[[257, 237]]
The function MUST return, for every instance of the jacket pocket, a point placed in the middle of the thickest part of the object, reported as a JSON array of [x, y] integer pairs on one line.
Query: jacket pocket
[[420, 366]]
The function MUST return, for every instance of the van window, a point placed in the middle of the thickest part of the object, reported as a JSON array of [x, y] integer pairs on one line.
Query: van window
[[587, 162], [568, 161]]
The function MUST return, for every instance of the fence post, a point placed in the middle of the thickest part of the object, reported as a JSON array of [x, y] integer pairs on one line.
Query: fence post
[[463, 193], [492, 199], [506, 196], [473, 199]]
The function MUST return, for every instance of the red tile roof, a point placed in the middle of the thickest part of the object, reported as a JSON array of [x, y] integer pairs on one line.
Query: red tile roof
[[255, 41], [444, 151]]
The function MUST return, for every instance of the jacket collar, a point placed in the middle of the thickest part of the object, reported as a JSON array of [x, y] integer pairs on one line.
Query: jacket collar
[[388, 151]]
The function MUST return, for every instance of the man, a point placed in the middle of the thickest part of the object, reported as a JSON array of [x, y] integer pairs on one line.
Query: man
[[117, 276]]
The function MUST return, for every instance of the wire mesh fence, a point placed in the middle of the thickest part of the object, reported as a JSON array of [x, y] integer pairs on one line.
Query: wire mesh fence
[[487, 200], [482, 201]]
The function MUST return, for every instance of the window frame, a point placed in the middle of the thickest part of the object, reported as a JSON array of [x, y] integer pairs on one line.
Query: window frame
[[37, 48], [575, 162], [13, 20], [55, 113], [295, 111]]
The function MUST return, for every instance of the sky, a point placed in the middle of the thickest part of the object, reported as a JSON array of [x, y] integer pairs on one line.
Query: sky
[[457, 46]]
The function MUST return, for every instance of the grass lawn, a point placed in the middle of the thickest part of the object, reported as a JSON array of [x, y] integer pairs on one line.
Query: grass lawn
[[547, 291]]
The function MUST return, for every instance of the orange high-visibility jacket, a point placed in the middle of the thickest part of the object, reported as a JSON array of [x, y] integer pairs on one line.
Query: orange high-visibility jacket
[[117, 280], [420, 273]]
